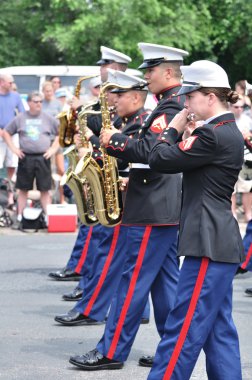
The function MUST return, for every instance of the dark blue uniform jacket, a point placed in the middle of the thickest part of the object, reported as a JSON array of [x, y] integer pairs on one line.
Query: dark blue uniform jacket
[[210, 161]]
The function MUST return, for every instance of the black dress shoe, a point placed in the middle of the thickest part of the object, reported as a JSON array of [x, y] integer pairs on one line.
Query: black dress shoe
[[65, 275], [74, 318], [94, 361], [76, 295], [241, 271], [248, 291], [145, 321], [146, 361]]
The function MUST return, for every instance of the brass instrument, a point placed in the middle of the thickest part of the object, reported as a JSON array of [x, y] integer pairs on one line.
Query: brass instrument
[[104, 182], [68, 119], [80, 186]]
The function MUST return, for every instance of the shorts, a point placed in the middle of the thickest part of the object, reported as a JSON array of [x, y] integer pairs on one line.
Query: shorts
[[34, 166], [7, 158]]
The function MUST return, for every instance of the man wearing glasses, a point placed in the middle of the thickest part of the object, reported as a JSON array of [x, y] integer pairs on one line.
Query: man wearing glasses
[[35, 129]]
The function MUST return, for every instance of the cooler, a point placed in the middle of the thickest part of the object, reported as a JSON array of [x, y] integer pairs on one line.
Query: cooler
[[62, 217]]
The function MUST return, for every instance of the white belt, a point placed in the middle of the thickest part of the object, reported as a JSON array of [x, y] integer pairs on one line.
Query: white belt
[[140, 166], [124, 170]]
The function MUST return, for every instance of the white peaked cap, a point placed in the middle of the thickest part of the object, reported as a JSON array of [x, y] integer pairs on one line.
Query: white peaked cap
[[155, 54], [123, 79], [110, 55], [203, 74], [96, 81]]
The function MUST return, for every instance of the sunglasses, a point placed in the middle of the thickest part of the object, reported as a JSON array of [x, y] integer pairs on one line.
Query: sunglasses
[[37, 101]]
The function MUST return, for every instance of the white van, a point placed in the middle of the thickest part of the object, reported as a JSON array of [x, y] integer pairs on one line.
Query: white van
[[31, 78]]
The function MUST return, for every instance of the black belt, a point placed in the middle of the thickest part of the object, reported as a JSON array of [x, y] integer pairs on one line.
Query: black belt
[[34, 154]]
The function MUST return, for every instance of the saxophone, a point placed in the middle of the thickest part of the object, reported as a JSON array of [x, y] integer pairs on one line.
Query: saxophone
[[104, 182], [80, 186], [68, 119]]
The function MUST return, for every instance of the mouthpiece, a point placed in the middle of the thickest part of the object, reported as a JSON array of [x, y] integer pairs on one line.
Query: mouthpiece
[[191, 117]]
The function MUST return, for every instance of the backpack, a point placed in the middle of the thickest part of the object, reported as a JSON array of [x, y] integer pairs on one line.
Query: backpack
[[33, 219]]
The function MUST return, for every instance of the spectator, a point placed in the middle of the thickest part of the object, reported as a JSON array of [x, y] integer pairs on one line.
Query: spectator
[[14, 87], [56, 83], [244, 183], [62, 95], [35, 129], [53, 107], [10, 105], [50, 105], [241, 88]]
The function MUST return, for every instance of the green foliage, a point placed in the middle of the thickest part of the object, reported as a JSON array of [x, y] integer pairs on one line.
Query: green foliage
[[39, 32]]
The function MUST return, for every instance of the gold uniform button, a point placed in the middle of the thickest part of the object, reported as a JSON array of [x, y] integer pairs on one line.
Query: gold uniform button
[[110, 141], [122, 144], [145, 181]]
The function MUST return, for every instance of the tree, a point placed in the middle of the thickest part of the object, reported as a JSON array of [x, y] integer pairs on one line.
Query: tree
[[71, 32]]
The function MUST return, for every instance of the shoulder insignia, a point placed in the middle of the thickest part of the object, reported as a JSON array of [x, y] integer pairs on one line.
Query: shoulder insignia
[[159, 124], [188, 143]]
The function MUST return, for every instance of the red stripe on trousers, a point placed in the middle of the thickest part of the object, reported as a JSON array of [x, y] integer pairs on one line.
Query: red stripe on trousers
[[104, 271], [243, 266], [84, 252], [189, 315], [130, 292]]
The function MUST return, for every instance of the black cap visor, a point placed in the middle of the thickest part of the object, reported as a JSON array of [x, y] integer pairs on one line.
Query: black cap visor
[[188, 87], [104, 62], [137, 87], [151, 63]]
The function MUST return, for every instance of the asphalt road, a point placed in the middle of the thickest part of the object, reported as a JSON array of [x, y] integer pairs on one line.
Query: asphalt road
[[34, 347]]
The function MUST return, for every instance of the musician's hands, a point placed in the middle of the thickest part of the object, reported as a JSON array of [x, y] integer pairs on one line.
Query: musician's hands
[[88, 133], [105, 136], [191, 126], [85, 150], [123, 183], [180, 121], [77, 140], [75, 103]]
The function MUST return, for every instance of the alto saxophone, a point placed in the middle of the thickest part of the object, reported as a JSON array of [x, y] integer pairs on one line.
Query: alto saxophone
[[80, 186], [68, 119], [104, 182]]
